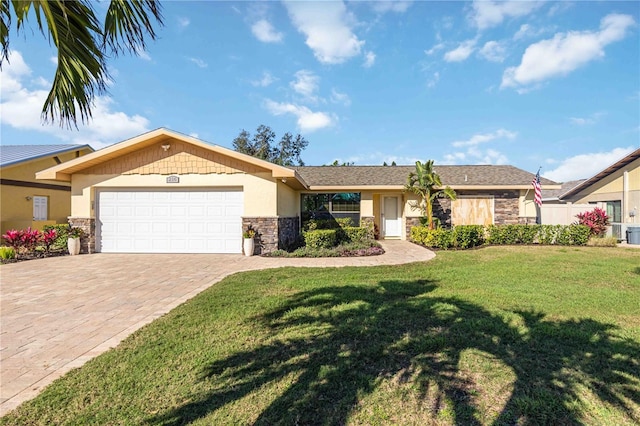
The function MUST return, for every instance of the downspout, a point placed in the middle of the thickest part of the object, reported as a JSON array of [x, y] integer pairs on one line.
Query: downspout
[[625, 197]]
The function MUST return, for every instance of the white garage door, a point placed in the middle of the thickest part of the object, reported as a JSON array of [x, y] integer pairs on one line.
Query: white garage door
[[142, 221]]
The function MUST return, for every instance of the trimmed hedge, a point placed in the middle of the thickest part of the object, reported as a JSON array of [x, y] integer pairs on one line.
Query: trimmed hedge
[[315, 224], [321, 238], [327, 238], [468, 236]]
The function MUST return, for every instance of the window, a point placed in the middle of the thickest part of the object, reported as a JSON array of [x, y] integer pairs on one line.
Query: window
[[614, 211], [331, 205], [40, 208]]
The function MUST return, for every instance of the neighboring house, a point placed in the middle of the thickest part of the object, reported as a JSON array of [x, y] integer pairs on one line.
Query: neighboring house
[[555, 211], [26, 201], [167, 192], [616, 189]]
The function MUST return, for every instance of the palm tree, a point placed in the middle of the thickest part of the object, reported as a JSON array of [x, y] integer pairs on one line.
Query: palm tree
[[425, 183], [83, 44]]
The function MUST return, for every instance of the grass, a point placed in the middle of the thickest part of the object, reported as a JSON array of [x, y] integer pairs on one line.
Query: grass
[[498, 336]]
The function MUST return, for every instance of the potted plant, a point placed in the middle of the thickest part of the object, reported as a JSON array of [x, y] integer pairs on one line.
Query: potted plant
[[249, 243], [73, 240]]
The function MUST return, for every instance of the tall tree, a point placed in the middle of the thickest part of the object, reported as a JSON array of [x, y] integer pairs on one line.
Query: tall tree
[[426, 183], [287, 152], [83, 44]]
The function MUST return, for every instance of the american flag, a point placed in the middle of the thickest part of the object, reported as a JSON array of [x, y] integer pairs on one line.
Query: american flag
[[537, 198]]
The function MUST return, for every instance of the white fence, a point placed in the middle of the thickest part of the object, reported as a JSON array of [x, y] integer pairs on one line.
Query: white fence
[[563, 214]]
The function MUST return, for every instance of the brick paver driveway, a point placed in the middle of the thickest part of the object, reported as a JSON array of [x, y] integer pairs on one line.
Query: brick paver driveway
[[58, 313]]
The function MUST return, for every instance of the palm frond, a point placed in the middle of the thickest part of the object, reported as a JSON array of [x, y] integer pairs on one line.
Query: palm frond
[[127, 22], [5, 24], [82, 72]]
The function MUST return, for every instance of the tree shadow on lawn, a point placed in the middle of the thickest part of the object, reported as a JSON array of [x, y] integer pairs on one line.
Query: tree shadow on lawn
[[364, 336]]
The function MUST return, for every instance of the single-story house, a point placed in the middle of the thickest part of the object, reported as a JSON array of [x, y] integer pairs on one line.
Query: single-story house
[[27, 201], [167, 192], [616, 188]]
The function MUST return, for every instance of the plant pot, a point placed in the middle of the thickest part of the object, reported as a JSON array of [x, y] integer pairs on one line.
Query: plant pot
[[73, 244], [248, 246]]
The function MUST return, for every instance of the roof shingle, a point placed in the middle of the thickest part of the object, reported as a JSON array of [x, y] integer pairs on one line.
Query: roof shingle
[[397, 175]]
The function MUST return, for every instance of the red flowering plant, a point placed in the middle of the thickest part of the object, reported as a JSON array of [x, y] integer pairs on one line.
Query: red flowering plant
[[48, 238], [597, 220], [13, 238], [24, 240], [30, 239]]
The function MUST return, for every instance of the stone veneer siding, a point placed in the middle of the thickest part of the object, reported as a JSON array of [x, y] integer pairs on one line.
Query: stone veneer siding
[[272, 233], [88, 239]]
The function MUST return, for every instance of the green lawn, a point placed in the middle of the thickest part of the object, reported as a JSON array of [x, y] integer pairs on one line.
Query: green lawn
[[501, 335]]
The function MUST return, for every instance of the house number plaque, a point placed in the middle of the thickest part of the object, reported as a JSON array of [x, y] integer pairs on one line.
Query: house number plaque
[[173, 179]]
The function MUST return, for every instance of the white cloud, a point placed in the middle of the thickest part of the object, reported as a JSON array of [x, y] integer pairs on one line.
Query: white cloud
[[21, 108], [194, 135], [266, 80], [584, 166], [306, 84], [398, 6], [434, 49], [183, 22], [566, 52], [327, 26], [462, 52], [264, 31], [493, 51], [340, 98], [487, 14], [583, 121], [369, 59], [475, 155], [486, 137], [143, 54], [199, 62], [54, 60], [434, 80], [307, 120]]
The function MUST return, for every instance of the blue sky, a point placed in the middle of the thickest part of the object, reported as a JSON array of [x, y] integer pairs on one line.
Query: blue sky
[[533, 84]]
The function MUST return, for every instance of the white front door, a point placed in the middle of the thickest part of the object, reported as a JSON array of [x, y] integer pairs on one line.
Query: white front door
[[40, 208], [391, 217], [169, 221]]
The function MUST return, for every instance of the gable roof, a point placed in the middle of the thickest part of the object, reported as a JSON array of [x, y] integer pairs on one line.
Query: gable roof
[[15, 154], [159, 136], [395, 177], [604, 173]]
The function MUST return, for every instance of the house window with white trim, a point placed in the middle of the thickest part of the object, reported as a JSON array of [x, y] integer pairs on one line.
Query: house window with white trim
[[614, 211]]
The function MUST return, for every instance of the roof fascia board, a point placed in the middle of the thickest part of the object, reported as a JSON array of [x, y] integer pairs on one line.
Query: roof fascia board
[[401, 187]]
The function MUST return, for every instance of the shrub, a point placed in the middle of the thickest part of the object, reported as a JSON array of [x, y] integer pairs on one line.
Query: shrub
[[61, 235], [321, 238], [434, 238], [353, 234], [597, 220], [467, 236], [7, 253], [578, 234], [13, 238], [48, 238], [512, 234], [315, 224]]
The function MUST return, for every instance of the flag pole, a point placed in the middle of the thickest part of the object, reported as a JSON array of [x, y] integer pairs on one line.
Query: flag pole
[[538, 210]]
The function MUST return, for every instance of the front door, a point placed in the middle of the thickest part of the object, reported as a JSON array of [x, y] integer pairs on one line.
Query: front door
[[391, 217]]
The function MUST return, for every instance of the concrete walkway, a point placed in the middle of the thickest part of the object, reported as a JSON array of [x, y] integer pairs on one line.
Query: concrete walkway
[[58, 313]]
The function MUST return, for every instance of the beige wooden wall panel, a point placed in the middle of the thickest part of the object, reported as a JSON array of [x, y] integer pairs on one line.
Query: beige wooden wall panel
[[472, 211]]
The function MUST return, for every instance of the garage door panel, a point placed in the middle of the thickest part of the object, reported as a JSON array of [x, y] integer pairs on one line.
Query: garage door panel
[[170, 221]]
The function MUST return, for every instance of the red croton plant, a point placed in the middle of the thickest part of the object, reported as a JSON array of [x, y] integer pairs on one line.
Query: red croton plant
[[597, 220]]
